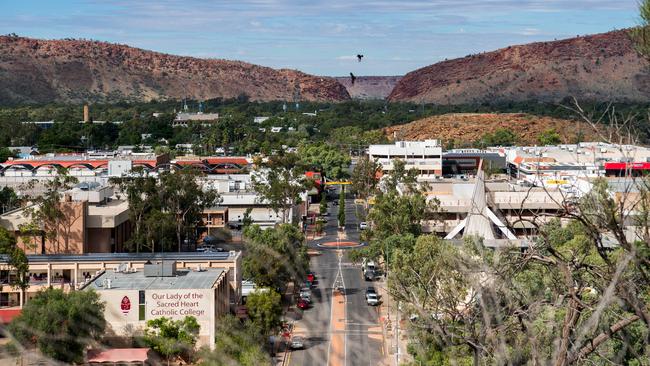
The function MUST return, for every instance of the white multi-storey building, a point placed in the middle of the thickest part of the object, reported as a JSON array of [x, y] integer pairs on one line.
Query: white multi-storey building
[[425, 156]]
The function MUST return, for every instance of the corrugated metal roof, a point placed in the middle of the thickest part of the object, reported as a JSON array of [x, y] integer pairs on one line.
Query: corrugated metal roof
[[184, 279]]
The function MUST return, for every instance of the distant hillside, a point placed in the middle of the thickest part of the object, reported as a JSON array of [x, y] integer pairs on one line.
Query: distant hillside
[[369, 87], [42, 71], [465, 128], [602, 67]]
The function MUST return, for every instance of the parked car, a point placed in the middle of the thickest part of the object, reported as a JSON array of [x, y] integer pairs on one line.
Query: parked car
[[372, 299], [297, 342], [363, 225], [371, 290], [311, 277], [367, 264], [302, 304], [369, 275], [305, 294]]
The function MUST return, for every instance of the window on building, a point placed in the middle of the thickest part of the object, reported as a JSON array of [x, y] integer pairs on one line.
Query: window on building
[[141, 305]]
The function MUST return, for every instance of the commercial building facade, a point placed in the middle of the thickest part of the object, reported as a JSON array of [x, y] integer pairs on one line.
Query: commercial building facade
[[424, 156], [71, 272], [133, 296]]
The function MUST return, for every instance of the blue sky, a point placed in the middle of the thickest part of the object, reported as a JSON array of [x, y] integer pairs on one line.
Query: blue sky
[[318, 36]]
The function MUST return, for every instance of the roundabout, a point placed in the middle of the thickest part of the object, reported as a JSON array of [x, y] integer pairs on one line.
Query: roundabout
[[340, 245]]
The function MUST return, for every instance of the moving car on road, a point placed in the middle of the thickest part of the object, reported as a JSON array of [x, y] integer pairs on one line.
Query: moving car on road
[[297, 342]]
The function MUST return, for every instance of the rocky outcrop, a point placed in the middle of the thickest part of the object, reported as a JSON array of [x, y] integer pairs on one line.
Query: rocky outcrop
[[43, 71], [602, 67], [466, 128]]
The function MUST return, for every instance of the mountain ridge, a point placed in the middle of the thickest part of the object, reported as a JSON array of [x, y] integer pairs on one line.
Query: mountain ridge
[[43, 71], [600, 67]]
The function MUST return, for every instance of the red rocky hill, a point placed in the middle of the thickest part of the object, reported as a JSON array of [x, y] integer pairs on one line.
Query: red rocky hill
[[602, 67], [41, 71]]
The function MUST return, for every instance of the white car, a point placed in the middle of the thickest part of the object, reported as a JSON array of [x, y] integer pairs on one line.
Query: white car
[[363, 225], [297, 342], [372, 299], [305, 294]]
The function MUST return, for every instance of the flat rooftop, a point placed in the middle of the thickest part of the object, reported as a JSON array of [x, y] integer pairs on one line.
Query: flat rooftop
[[110, 208], [184, 279], [133, 257]]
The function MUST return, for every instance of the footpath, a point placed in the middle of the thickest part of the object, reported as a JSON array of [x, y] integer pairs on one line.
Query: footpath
[[395, 339]]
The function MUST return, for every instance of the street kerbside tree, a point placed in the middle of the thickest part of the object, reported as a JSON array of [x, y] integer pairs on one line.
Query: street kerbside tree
[[341, 214], [265, 309], [365, 178]]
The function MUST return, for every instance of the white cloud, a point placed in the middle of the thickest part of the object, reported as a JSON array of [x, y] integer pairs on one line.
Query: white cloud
[[530, 32]]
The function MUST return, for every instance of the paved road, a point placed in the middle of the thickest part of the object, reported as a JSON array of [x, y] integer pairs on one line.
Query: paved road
[[362, 335]]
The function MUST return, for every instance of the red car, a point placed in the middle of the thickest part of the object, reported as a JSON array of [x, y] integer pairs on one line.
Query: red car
[[302, 304], [311, 277]]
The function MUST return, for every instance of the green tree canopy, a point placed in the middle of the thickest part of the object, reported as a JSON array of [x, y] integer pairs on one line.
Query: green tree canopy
[[185, 200], [52, 216], [500, 137], [5, 154], [276, 256], [341, 213], [172, 337], [165, 211], [237, 343], [16, 259], [569, 298], [328, 159], [61, 325], [365, 177], [280, 180], [549, 137], [265, 309]]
